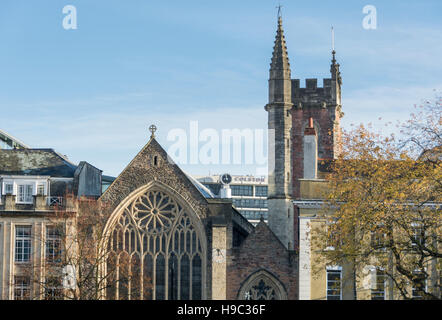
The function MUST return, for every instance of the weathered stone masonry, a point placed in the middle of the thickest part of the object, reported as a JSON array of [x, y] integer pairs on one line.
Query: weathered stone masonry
[[262, 251]]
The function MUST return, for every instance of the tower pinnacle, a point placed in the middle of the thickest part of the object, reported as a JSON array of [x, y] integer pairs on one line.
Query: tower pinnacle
[[334, 68], [333, 45], [280, 59]]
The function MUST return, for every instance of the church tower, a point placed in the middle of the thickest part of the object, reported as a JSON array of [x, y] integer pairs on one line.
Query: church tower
[[281, 218], [318, 108], [304, 131]]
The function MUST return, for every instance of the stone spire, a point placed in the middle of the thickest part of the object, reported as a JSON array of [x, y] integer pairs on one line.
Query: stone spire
[[280, 66], [280, 75]]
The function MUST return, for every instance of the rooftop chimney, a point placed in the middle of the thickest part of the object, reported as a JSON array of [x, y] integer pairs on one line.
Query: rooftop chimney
[[310, 151]]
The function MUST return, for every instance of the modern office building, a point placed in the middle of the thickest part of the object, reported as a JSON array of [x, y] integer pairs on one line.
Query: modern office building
[[248, 193]]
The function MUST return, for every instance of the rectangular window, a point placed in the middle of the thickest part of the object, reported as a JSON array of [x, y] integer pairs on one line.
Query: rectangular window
[[9, 188], [378, 291], [417, 237], [250, 203], [334, 238], [378, 239], [53, 289], [419, 285], [254, 215], [53, 244], [23, 244], [41, 189], [24, 193], [334, 283], [261, 191], [242, 190], [22, 288]]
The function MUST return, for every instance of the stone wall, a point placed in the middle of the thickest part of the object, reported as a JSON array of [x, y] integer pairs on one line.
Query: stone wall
[[262, 251], [149, 165]]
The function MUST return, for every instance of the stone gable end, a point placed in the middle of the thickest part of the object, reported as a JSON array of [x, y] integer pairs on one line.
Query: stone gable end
[[151, 165], [262, 250]]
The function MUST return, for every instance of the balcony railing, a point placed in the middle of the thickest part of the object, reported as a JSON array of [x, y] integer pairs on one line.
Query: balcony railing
[[54, 201], [39, 202]]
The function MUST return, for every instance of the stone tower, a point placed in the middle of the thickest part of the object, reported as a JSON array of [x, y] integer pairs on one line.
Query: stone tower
[[321, 107], [297, 115], [281, 219]]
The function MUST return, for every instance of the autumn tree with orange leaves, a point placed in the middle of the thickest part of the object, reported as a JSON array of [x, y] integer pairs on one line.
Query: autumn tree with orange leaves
[[384, 206]]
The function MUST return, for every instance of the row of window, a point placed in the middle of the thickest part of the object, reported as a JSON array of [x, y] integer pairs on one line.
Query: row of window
[[247, 190], [23, 244], [379, 239], [240, 190], [334, 285], [23, 253], [250, 203], [22, 289], [24, 191], [255, 215]]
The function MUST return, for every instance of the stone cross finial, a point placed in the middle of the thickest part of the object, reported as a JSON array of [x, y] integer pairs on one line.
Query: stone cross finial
[[153, 129]]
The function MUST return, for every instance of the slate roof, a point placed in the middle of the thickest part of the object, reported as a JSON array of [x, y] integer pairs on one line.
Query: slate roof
[[35, 162], [10, 141], [110, 179], [201, 188]]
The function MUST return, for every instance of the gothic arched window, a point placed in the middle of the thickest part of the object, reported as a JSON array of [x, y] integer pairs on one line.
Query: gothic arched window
[[155, 250], [262, 286]]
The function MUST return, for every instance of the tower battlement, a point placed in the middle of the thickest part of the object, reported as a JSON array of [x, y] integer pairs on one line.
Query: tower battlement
[[313, 96]]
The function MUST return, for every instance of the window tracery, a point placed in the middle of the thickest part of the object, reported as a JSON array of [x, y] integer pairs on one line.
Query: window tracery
[[262, 286], [261, 291], [155, 250]]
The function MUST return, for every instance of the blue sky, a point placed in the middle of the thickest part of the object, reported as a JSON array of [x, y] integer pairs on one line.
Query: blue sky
[[91, 93]]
